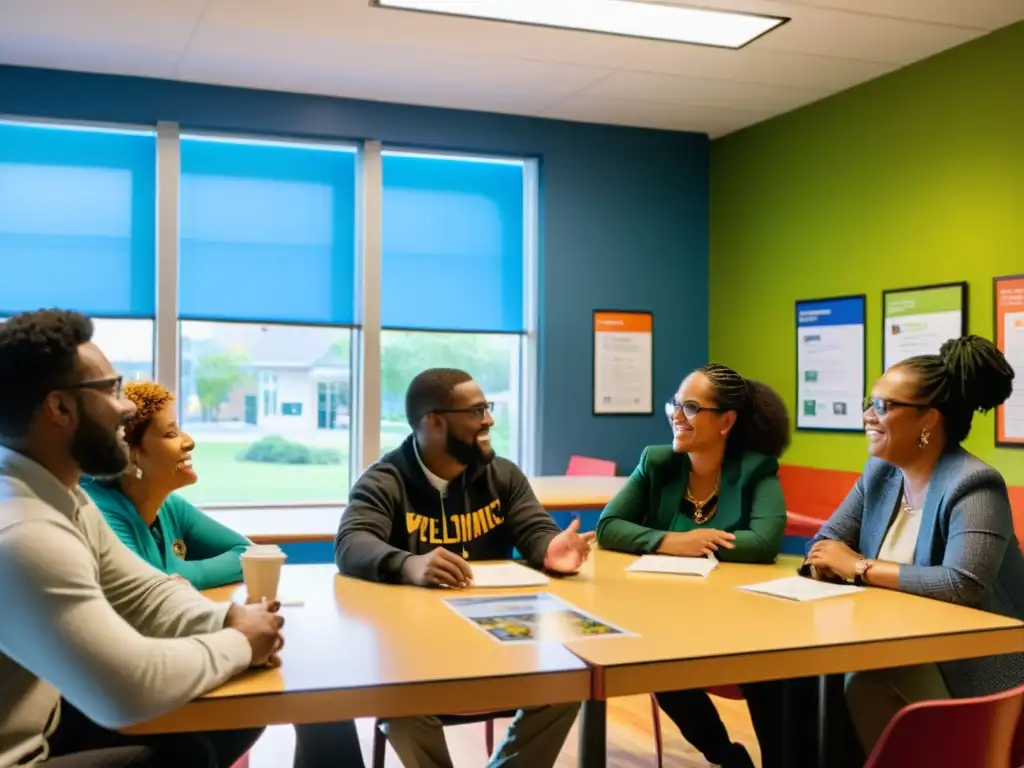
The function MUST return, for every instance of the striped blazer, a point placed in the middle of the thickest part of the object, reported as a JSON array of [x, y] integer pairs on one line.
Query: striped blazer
[[967, 552]]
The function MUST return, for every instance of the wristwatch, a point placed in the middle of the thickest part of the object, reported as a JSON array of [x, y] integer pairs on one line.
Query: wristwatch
[[860, 569]]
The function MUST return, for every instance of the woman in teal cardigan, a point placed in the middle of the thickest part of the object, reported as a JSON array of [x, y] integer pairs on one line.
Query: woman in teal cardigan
[[172, 535], [714, 491]]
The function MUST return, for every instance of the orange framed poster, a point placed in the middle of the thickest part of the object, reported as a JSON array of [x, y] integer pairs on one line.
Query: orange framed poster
[[1008, 300], [623, 363]]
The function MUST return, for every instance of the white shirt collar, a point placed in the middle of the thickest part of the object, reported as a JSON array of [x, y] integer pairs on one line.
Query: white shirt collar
[[439, 483]]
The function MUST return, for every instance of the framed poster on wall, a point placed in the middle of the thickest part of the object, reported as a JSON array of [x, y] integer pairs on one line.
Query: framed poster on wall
[[918, 321], [831, 365], [1008, 301], [623, 362]]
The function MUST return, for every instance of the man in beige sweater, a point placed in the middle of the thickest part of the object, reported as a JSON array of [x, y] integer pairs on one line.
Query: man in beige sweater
[[84, 619]]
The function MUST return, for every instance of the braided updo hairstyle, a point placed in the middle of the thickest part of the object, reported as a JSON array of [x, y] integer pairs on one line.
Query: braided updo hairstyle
[[762, 421], [969, 374]]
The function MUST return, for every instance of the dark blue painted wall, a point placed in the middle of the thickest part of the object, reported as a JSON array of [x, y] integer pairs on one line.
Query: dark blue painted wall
[[624, 218]]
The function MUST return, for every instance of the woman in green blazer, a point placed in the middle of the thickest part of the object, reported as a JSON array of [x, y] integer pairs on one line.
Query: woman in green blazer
[[714, 491]]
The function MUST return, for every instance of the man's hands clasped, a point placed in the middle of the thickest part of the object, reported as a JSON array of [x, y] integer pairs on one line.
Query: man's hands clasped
[[261, 624]]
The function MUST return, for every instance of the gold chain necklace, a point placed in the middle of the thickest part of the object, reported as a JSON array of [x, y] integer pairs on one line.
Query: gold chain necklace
[[699, 516]]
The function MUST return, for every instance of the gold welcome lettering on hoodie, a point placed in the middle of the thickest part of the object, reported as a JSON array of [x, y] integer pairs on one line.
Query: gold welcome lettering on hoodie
[[455, 529]]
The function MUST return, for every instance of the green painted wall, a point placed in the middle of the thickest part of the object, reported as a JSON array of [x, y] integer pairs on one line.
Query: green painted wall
[[914, 178]]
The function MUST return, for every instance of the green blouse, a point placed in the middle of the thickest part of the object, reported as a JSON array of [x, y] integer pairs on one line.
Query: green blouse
[[653, 503]]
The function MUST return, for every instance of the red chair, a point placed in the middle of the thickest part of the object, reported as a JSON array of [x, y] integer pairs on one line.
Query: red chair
[[584, 465], [954, 733], [1017, 751], [804, 526]]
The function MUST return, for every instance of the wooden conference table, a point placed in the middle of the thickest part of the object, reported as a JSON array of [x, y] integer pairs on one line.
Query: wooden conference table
[[292, 525], [356, 649]]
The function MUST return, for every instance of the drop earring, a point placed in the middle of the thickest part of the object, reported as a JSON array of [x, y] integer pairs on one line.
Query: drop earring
[[922, 441], [138, 473]]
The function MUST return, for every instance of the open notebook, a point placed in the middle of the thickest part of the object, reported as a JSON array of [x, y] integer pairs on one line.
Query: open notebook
[[500, 575], [685, 566]]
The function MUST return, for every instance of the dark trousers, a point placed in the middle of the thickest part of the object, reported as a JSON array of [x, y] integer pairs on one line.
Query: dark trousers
[[80, 743], [783, 714], [327, 745]]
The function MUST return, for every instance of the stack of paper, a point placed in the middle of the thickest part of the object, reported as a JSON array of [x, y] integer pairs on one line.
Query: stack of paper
[[802, 589], [500, 575], [686, 566]]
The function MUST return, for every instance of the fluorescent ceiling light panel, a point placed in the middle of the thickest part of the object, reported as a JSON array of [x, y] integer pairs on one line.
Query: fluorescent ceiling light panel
[[631, 18]]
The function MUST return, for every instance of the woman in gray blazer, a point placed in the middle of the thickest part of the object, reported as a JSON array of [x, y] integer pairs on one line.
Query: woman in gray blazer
[[928, 518]]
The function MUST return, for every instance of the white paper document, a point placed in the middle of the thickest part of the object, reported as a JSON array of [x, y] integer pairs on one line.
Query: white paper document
[[685, 566], [802, 589], [499, 575]]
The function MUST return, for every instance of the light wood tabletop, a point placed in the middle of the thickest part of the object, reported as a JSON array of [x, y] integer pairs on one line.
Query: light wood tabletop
[[289, 525], [699, 632], [357, 649]]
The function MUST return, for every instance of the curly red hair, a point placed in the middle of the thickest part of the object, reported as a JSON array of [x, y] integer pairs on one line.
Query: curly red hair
[[149, 398]]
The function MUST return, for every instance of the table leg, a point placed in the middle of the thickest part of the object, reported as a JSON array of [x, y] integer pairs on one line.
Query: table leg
[[594, 734]]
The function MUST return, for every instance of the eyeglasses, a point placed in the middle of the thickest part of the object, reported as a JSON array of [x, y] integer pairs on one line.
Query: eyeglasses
[[113, 386], [690, 408], [882, 405], [477, 411]]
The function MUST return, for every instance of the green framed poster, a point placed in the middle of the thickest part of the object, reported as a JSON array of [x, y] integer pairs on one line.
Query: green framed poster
[[917, 321]]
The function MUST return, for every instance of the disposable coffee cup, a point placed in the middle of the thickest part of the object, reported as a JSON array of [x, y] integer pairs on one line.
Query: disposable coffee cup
[[261, 571]]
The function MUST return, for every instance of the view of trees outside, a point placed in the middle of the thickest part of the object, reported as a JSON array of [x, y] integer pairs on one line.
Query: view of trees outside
[[491, 359]]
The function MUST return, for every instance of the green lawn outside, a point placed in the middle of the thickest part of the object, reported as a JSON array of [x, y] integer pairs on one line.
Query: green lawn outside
[[225, 479]]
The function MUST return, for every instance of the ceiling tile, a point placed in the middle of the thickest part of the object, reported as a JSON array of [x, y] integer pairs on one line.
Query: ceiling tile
[[87, 56], [729, 94], [672, 117], [756, 65], [355, 20], [362, 70], [843, 34], [152, 23], [976, 14]]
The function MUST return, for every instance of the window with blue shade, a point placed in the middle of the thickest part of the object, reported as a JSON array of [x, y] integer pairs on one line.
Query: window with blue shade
[[77, 220], [267, 232], [453, 244]]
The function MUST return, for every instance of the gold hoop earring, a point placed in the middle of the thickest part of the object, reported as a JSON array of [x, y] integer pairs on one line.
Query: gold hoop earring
[[922, 441]]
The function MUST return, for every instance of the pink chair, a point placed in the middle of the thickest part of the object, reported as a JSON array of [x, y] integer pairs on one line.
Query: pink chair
[[242, 762], [984, 732], [584, 465], [803, 526]]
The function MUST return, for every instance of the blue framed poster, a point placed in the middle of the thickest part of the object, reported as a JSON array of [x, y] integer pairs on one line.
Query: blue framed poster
[[831, 367]]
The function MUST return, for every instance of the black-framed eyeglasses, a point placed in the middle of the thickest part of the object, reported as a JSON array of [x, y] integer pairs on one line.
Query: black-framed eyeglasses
[[477, 411], [882, 405], [690, 408], [114, 386]]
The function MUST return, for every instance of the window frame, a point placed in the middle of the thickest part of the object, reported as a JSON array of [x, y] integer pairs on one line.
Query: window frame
[[365, 397]]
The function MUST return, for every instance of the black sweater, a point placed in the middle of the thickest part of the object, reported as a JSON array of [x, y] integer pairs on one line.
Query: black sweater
[[394, 512]]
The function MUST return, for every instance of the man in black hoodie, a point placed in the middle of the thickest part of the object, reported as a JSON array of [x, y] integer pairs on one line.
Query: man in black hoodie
[[427, 508]]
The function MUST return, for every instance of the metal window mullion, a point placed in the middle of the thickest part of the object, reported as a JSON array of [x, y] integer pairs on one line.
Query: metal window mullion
[[370, 225], [168, 179], [529, 403]]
